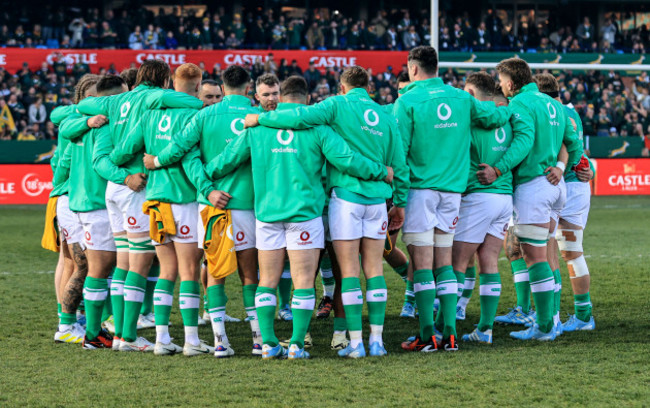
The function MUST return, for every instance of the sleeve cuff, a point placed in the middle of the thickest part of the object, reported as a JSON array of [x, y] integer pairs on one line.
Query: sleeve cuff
[[156, 162]]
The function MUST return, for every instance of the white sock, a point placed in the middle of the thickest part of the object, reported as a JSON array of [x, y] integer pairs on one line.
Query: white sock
[[355, 338], [255, 326], [192, 335], [462, 302], [376, 331], [65, 327], [162, 334], [219, 327]]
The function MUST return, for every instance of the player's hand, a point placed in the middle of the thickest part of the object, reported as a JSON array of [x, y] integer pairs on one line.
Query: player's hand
[[487, 174], [389, 176], [97, 121], [395, 218], [585, 175], [149, 162], [219, 199], [553, 175], [136, 182], [251, 120]]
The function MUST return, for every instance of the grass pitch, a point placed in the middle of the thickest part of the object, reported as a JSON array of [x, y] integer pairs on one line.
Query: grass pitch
[[607, 367]]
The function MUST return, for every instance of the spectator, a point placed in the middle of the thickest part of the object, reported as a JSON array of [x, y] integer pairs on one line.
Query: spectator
[[220, 40], [315, 38], [136, 39], [390, 39], [170, 41], [232, 42], [410, 38], [76, 28], [50, 132], [16, 108], [37, 112], [608, 32], [312, 76], [585, 32], [151, 40]]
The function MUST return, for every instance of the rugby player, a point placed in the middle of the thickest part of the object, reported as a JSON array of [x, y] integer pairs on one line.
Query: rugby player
[[540, 126], [129, 224], [434, 120], [288, 163], [210, 92], [357, 210], [484, 211], [211, 130]]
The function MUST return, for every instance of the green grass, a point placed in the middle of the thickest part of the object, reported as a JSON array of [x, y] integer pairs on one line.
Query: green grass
[[602, 368]]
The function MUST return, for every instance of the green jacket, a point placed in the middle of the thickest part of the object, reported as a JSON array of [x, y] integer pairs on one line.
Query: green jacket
[[212, 129], [488, 146], [540, 126], [57, 117], [154, 132], [435, 122], [125, 110], [570, 176], [368, 130], [287, 168]]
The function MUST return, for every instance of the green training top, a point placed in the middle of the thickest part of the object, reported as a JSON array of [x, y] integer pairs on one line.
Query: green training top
[[435, 122], [570, 175], [488, 146], [368, 130], [287, 168], [57, 116], [169, 184], [540, 126], [212, 129]]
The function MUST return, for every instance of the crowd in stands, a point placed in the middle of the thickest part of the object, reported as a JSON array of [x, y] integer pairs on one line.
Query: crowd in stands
[[386, 30]]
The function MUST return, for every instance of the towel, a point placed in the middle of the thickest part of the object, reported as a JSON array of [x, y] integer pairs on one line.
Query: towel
[[161, 220], [50, 238], [218, 243]]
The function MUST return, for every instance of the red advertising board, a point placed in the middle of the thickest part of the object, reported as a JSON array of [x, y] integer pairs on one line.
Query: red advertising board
[[25, 183], [12, 59], [622, 177]]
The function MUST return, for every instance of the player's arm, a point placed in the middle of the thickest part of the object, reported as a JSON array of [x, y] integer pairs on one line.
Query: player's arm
[[169, 98], [523, 138], [181, 143], [59, 113], [304, 117], [74, 127], [101, 160], [63, 167], [401, 182], [404, 124], [95, 105], [487, 115], [338, 153], [554, 173], [233, 156], [131, 144], [195, 171], [572, 142]]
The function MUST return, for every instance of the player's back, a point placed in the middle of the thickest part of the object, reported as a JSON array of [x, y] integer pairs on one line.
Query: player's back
[[87, 187], [488, 146]]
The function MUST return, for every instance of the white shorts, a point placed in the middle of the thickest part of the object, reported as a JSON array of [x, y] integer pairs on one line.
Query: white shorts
[[243, 228], [185, 219], [326, 227], [291, 235], [97, 231], [71, 229], [348, 220], [125, 209], [578, 201], [560, 203], [428, 209], [535, 201], [481, 214]]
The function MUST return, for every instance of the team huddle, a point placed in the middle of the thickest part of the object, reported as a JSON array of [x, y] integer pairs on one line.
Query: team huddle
[[152, 184]]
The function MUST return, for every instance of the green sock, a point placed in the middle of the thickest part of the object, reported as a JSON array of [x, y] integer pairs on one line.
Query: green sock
[[95, 293], [353, 306], [217, 309], [522, 283], [265, 303], [376, 296], [163, 297], [447, 290], [490, 290], [425, 295], [284, 287], [134, 288], [108, 309], [469, 284], [339, 324], [582, 305], [117, 299], [152, 279], [542, 284], [558, 290], [409, 295], [402, 270], [302, 307], [188, 301], [248, 295], [68, 318], [460, 280]]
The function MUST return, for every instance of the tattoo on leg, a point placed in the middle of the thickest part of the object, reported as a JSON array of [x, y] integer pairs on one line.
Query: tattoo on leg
[[512, 247], [73, 291]]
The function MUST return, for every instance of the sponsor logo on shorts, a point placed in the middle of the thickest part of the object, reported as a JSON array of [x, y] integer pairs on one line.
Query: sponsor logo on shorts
[[184, 229], [384, 225], [131, 220], [87, 236], [453, 224], [505, 227], [65, 233], [240, 236], [304, 237]]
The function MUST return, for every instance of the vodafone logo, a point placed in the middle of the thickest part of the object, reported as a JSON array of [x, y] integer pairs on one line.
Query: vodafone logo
[[240, 236], [87, 236], [124, 109], [165, 123], [33, 186], [384, 226], [65, 232], [233, 126], [455, 221], [287, 140], [304, 236], [444, 107], [502, 138], [185, 230], [551, 110], [366, 117], [131, 221]]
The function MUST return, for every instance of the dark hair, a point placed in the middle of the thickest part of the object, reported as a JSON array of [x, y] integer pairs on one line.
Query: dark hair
[[518, 71], [235, 77], [294, 87], [108, 83], [355, 76], [129, 75], [483, 82], [267, 79], [426, 57], [85, 82], [210, 82], [403, 77], [547, 84], [153, 72]]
